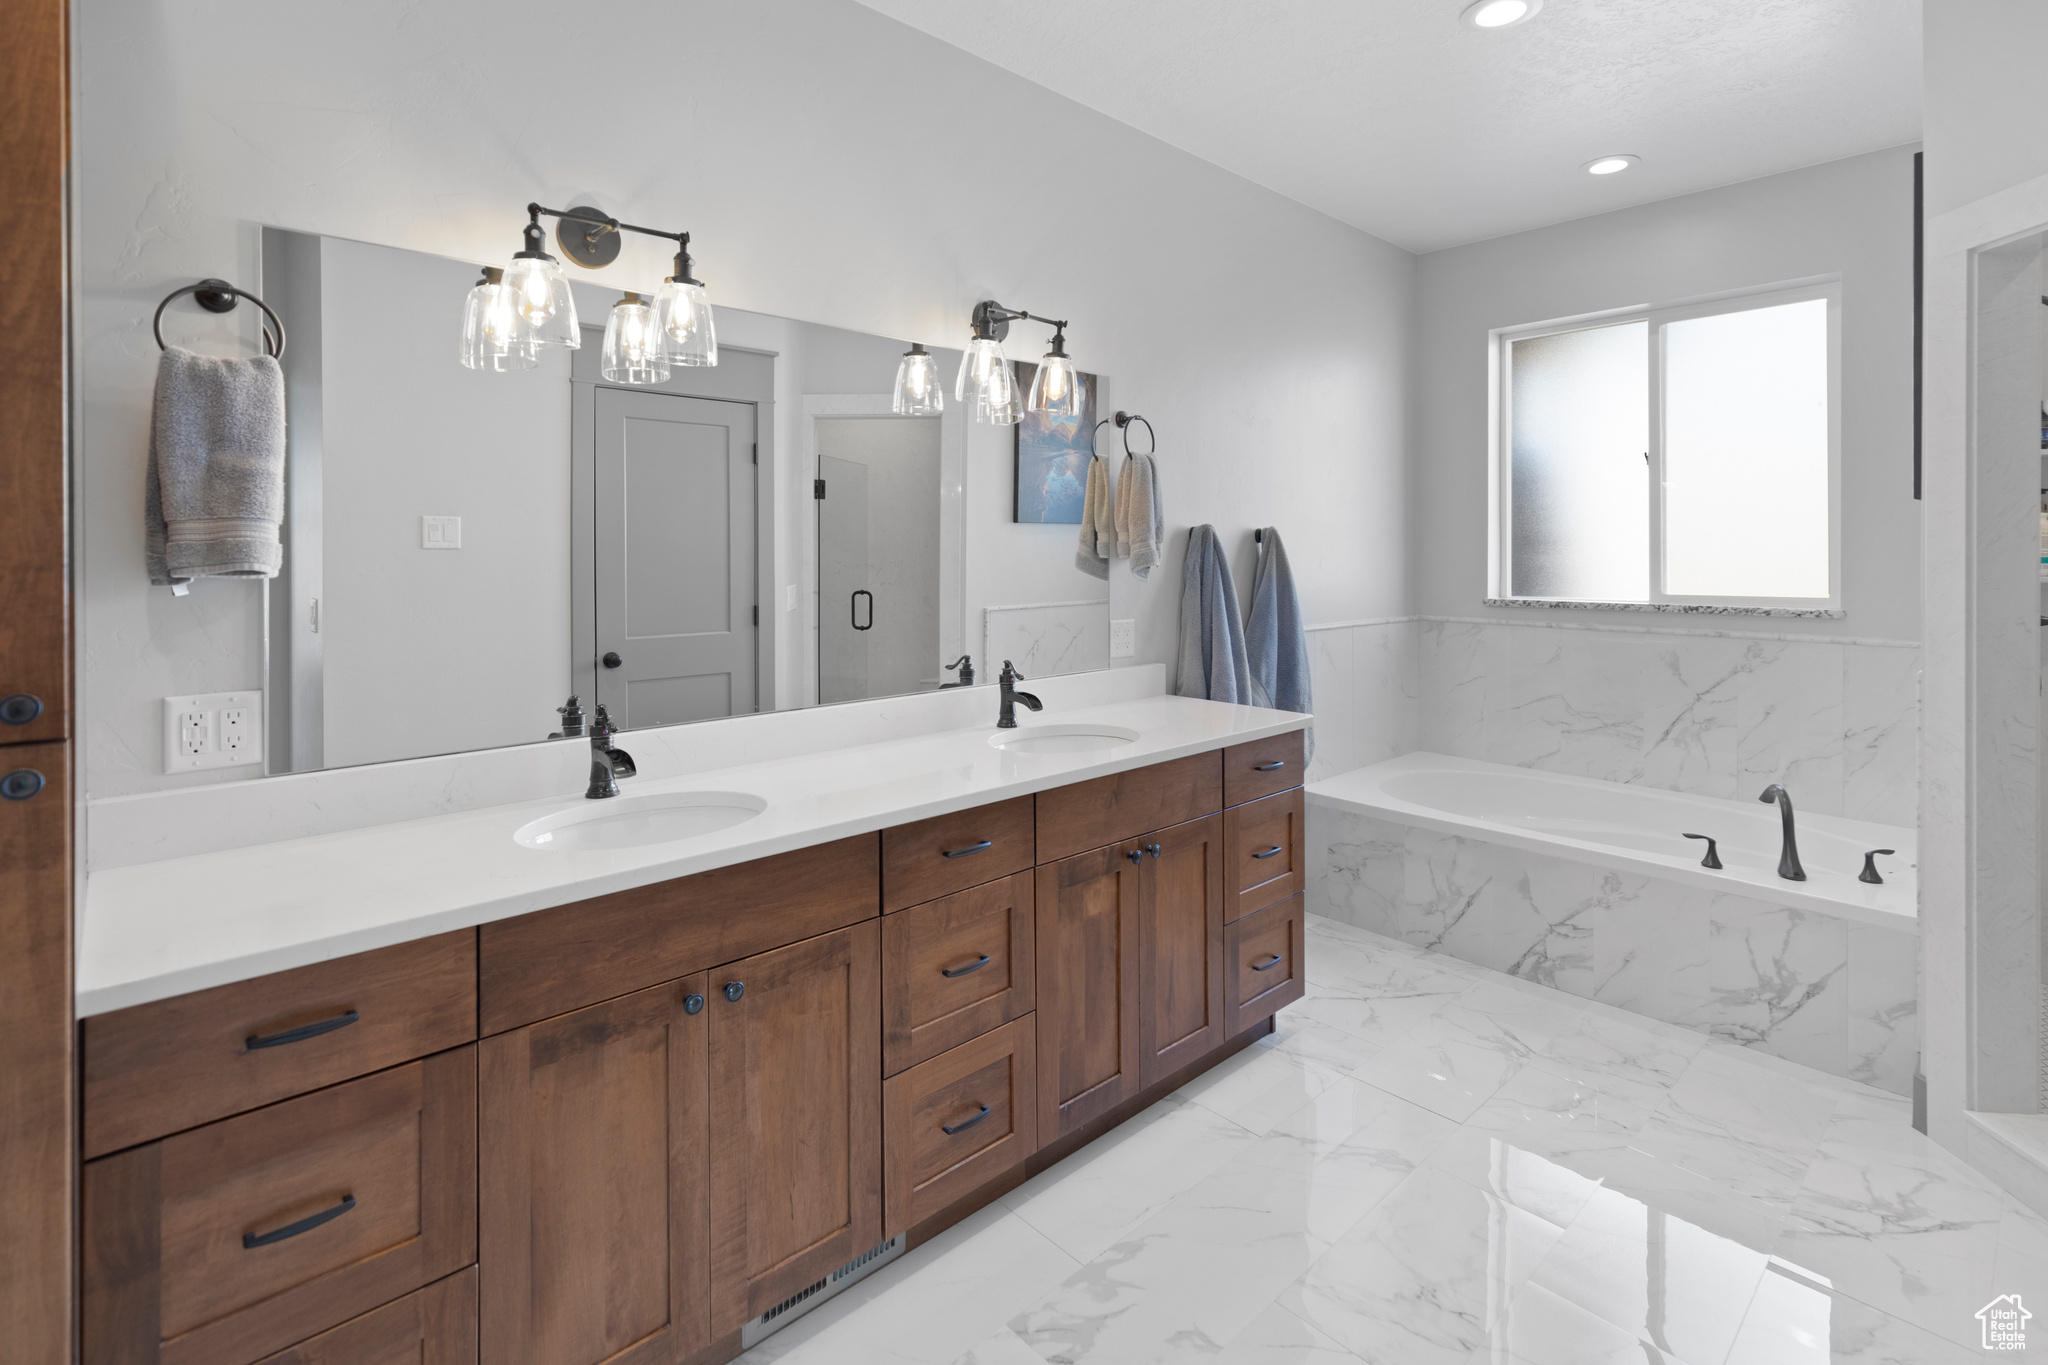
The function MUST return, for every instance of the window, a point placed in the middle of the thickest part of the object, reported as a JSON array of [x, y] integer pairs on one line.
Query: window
[[1675, 457]]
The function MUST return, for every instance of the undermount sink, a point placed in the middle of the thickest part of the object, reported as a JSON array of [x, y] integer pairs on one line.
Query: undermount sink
[[1061, 739], [635, 821]]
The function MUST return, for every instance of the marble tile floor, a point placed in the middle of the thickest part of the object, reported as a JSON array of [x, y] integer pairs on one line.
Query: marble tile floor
[[1432, 1162]]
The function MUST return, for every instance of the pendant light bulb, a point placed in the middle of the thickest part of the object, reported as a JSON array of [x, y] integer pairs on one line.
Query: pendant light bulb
[[1056, 388], [682, 313], [492, 336], [633, 345], [540, 295], [918, 393], [986, 381]]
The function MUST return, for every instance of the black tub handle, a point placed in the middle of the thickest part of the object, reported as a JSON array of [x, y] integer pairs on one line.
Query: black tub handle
[[250, 1239], [1713, 858], [949, 1129], [1269, 964], [1269, 767], [981, 847], [1274, 851], [968, 970], [300, 1034], [1869, 872]]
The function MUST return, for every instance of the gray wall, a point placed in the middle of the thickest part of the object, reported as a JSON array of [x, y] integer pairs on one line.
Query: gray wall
[[1985, 121]]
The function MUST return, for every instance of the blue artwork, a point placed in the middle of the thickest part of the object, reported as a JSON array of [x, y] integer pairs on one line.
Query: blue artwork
[[1052, 457]]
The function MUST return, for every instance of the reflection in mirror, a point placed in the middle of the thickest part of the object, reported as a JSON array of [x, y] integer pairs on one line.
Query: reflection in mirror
[[467, 549]]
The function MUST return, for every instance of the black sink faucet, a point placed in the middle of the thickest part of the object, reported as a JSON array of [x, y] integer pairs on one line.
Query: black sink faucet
[[607, 765], [1009, 678], [1788, 856], [965, 664]]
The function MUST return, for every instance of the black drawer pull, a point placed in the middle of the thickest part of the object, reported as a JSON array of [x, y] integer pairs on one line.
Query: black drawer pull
[[1269, 964], [1269, 767], [982, 847], [950, 972], [951, 1128], [1271, 852], [302, 1032], [250, 1239]]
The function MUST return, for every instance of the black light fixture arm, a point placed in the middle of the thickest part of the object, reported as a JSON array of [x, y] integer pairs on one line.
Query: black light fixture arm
[[597, 224], [603, 222], [992, 320]]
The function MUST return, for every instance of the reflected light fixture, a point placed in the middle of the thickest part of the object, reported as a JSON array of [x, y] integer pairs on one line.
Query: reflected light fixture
[[634, 352], [682, 315], [492, 338], [986, 377], [917, 384], [1500, 13], [1610, 165]]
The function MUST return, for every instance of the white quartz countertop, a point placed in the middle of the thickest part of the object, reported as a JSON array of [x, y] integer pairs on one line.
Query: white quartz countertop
[[159, 929]]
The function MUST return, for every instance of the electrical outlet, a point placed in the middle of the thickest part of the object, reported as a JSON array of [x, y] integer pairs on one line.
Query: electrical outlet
[[440, 533], [212, 730], [1123, 638]]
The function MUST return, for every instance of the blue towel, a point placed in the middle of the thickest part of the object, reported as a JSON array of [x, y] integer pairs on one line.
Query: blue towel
[[1212, 658], [1274, 640]]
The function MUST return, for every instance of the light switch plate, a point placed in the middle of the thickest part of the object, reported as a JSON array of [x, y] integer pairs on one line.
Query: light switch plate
[[1123, 638], [213, 730], [440, 533]]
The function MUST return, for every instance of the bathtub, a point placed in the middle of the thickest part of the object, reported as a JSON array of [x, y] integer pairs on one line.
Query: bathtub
[[1592, 888]]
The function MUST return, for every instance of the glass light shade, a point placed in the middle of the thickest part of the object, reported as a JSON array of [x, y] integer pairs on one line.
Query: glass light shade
[[918, 393], [492, 338], [985, 379], [683, 318], [540, 297], [1056, 388], [982, 354], [632, 344]]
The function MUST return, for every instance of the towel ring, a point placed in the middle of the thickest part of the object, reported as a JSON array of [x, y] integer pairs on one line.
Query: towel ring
[[1095, 433], [1124, 420], [218, 296]]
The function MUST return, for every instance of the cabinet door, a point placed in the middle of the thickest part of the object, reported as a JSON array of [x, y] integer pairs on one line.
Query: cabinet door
[[796, 1129], [1088, 1052], [593, 1174], [1180, 947]]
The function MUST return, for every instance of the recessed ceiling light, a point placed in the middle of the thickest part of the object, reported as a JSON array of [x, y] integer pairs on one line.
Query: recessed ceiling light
[[1500, 13], [1610, 165]]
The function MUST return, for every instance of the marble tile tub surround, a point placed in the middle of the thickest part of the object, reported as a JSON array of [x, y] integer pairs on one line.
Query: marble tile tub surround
[[1832, 993], [1366, 680], [1433, 1164]]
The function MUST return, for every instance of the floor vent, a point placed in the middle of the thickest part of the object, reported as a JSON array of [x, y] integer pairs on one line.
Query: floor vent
[[804, 1300]]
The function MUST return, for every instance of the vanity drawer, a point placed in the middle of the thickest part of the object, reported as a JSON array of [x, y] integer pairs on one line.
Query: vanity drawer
[[224, 1244], [985, 1092], [930, 858], [172, 1064], [1262, 965], [1123, 805], [1264, 840], [1249, 772], [436, 1326], [955, 968]]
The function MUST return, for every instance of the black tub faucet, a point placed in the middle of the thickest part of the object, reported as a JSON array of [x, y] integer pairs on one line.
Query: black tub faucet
[[607, 765], [1788, 855], [1009, 678]]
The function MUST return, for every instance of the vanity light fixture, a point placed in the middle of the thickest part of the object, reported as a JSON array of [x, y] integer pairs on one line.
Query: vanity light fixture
[[918, 393], [1500, 13], [985, 372], [541, 301], [682, 315], [1610, 165], [491, 336], [634, 350]]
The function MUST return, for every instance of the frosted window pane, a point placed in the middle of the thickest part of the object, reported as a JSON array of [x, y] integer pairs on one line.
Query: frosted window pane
[[1579, 419], [1746, 453]]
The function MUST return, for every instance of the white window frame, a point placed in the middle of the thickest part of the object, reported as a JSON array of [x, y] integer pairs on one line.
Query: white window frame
[[1500, 511]]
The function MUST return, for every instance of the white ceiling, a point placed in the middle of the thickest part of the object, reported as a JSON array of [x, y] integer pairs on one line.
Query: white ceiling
[[1399, 118]]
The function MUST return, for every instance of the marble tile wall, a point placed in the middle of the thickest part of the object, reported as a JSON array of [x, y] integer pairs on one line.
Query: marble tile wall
[[1830, 993], [1046, 639], [1365, 678]]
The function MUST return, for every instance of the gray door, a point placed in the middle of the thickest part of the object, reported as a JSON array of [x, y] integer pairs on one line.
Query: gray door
[[675, 557]]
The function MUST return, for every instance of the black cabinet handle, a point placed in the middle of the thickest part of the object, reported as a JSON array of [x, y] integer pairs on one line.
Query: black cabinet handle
[[1269, 767], [250, 1239], [981, 847], [951, 1128], [1269, 964], [1136, 855], [853, 609], [20, 708], [21, 784], [256, 1041], [1153, 849], [963, 971], [735, 989], [1271, 852], [611, 659], [693, 1003]]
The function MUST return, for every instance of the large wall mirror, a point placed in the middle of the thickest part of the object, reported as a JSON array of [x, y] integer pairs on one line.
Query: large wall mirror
[[466, 550]]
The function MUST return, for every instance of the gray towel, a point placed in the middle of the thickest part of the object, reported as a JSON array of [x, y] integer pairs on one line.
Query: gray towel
[[1274, 639], [215, 498], [1212, 658], [1140, 516], [1098, 533]]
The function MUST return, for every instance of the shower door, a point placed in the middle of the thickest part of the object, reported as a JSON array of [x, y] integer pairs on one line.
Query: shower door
[[878, 556]]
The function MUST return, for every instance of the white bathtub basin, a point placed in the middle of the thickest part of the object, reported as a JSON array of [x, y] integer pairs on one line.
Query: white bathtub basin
[[636, 821]]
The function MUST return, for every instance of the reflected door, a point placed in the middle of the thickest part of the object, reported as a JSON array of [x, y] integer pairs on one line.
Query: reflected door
[[675, 557], [878, 556], [846, 600]]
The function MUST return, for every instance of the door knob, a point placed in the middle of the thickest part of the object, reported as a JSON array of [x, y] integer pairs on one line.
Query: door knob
[[611, 659]]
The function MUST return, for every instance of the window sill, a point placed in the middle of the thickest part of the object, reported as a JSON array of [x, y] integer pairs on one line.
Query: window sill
[[1675, 608]]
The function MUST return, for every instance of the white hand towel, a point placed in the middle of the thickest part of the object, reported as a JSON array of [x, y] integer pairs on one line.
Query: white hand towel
[[1093, 555], [214, 502], [1146, 518]]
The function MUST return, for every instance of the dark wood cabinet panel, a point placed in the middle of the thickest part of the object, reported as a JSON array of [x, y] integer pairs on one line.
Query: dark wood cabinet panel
[[1261, 767], [958, 1121], [1088, 1048], [593, 1175], [1268, 852], [928, 859], [1180, 946], [796, 1098], [435, 1326], [956, 968], [1263, 964], [1107, 810], [156, 1068], [574, 955], [226, 1243]]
